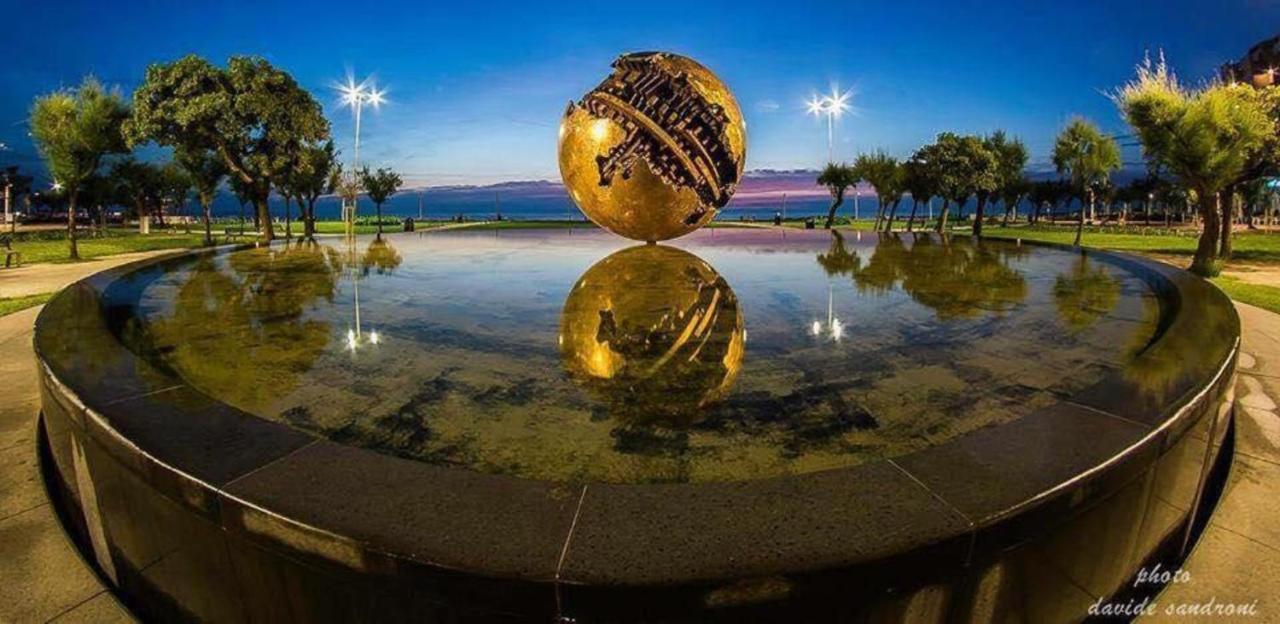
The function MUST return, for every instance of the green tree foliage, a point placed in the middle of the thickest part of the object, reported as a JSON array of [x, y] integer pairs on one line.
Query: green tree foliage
[[139, 185], [837, 177], [1011, 182], [251, 114], [318, 173], [175, 188], [885, 174], [960, 166], [1087, 157], [74, 129], [916, 180], [380, 185], [1206, 138], [206, 172]]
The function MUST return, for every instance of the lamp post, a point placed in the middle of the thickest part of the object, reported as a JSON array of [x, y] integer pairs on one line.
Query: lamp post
[[356, 96], [833, 106]]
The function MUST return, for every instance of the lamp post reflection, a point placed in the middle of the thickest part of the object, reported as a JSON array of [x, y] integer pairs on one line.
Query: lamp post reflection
[[832, 328]]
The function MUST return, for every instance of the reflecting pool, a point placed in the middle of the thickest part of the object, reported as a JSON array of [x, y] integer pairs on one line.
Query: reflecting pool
[[571, 355]]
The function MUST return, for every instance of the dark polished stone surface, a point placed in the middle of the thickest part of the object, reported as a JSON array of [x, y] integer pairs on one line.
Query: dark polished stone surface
[[1008, 438]]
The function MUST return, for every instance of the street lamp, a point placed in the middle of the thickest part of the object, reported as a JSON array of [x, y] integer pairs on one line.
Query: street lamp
[[833, 106], [356, 96]]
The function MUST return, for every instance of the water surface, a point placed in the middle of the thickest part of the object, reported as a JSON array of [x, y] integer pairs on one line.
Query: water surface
[[572, 355]]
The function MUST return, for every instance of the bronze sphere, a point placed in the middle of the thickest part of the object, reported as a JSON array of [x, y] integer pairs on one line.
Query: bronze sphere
[[656, 150]]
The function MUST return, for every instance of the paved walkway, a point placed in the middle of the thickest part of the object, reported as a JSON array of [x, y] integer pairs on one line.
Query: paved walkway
[[34, 279], [42, 577], [1237, 560]]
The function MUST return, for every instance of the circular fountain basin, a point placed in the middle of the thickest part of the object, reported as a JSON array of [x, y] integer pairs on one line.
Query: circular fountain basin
[[554, 423]]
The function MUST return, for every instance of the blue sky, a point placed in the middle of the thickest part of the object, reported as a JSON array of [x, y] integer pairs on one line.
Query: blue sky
[[477, 88]]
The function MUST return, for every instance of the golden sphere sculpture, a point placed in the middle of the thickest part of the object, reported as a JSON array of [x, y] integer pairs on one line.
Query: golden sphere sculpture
[[656, 150], [654, 333]]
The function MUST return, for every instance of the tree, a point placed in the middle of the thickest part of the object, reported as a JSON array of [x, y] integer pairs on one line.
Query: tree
[[1205, 138], [380, 185], [837, 177], [175, 189], [205, 171], [1009, 156], [244, 195], [884, 173], [139, 186], [916, 181], [16, 185], [960, 166], [318, 174], [1011, 184], [251, 114], [1088, 156], [74, 130]]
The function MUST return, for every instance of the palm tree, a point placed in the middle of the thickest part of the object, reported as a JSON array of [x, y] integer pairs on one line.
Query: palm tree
[[1088, 156], [837, 177], [1206, 138], [74, 129], [380, 185]]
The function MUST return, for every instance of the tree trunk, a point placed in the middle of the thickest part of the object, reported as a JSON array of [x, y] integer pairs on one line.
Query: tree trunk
[[309, 225], [1227, 214], [911, 221], [835, 205], [1007, 212], [207, 208], [1205, 262], [144, 219], [978, 214], [71, 224], [379, 211], [1080, 221], [942, 215], [893, 213], [262, 214]]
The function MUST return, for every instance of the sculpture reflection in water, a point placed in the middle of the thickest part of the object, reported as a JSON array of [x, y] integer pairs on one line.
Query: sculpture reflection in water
[[653, 333], [956, 278]]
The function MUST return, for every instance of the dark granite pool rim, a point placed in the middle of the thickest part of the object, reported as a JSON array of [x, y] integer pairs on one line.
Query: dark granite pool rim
[[277, 498]]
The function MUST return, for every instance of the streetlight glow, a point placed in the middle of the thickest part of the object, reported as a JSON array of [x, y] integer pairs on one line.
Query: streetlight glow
[[833, 106]]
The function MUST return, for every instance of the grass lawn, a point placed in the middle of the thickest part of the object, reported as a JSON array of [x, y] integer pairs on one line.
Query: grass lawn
[[36, 250], [9, 305], [1250, 247], [1260, 247]]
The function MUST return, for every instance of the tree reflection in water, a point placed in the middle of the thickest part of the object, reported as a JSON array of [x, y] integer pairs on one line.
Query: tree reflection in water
[[1085, 294], [251, 307], [956, 278], [380, 257]]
